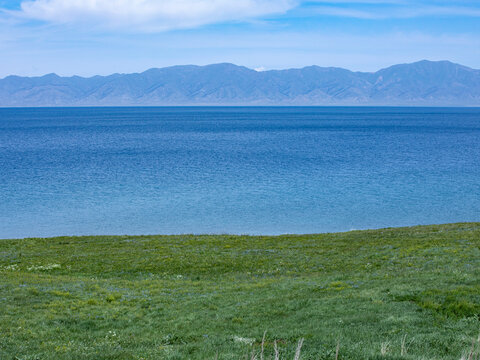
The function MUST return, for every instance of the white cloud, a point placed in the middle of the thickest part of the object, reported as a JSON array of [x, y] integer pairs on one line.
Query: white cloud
[[160, 15], [398, 12], [150, 14], [390, 9]]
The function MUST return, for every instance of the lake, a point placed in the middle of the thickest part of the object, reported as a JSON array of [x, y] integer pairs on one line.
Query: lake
[[242, 170]]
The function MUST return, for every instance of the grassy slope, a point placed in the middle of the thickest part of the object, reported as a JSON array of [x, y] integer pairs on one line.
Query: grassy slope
[[187, 297]]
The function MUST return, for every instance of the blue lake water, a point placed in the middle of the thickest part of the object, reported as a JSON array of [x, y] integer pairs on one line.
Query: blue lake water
[[75, 171]]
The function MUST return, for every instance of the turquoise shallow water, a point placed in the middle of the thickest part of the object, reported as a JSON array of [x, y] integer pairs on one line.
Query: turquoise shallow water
[[235, 170]]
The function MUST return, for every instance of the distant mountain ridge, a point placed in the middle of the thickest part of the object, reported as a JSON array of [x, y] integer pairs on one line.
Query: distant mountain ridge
[[423, 83]]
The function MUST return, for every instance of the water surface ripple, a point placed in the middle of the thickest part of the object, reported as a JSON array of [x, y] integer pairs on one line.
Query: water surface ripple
[[271, 170]]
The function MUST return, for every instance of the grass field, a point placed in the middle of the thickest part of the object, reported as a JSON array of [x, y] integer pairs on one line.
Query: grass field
[[407, 293]]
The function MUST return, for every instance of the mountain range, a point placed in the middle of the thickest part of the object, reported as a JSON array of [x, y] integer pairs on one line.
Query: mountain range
[[423, 83]]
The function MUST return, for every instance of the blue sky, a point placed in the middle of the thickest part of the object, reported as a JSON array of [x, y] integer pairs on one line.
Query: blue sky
[[87, 37]]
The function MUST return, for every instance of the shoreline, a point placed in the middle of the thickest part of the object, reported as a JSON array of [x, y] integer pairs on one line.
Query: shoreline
[[242, 235]]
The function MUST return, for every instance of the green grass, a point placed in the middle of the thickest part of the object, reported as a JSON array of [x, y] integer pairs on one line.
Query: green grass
[[193, 297]]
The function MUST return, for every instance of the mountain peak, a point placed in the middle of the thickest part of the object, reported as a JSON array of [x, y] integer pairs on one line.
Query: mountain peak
[[50, 76]]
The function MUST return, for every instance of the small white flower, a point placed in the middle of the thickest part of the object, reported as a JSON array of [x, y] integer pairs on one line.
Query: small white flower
[[12, 267], [111, 334], [243, 340], [44, 267]]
